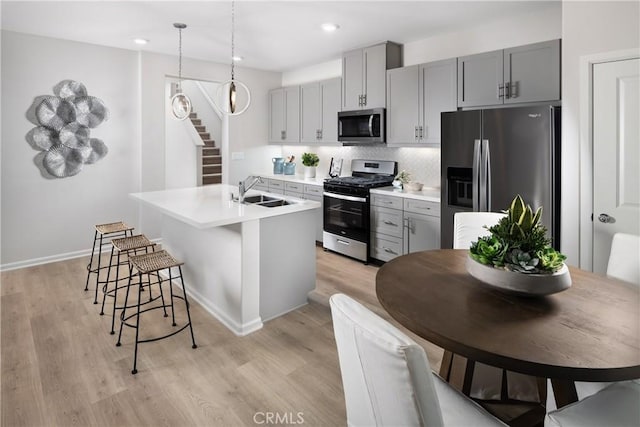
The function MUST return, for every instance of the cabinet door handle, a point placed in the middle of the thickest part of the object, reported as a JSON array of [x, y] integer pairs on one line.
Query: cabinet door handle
[[386, 221], [364, 100], [500, 90], [359, 100], [390, 251], [507, 90], [420, 129], [514, 90], [415, 134]]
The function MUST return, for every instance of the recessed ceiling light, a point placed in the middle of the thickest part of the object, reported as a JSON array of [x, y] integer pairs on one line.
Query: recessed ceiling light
[[329, 27], [238, 58], [141, 41]]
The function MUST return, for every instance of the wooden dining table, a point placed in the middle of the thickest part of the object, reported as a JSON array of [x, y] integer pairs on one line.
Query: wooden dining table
[[589, 332]]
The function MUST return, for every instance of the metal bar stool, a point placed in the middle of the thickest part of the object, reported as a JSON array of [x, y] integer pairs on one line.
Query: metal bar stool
[[150, 263], [123, 246], [110, 230]]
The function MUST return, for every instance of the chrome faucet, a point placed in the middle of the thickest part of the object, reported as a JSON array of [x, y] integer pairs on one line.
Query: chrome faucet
[[243, 187]]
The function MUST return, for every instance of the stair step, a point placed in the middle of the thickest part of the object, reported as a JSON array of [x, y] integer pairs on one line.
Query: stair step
[[210, 151], [201, 128], [193, 115], [211, 160], [204, 135], [211, 169], [196, 122], [212, 179], [209, 142]]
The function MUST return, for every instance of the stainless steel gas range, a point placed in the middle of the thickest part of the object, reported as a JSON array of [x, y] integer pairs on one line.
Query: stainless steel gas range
[[346, 206]]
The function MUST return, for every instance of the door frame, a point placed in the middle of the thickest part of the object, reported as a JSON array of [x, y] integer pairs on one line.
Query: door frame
[[585, 220]]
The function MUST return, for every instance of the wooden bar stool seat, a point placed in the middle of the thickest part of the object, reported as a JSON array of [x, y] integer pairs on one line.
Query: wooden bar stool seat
[[122, 246], [153, 264], [104, 231]]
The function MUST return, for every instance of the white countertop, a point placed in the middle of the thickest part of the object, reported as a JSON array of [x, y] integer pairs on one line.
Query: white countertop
[[429, 194], [298, 178], [211, 205]]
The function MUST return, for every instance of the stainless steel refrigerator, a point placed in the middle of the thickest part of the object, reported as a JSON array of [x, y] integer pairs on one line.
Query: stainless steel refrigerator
[[489, 156]]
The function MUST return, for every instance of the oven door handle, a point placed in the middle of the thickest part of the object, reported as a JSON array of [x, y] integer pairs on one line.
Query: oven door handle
[[343, 197]]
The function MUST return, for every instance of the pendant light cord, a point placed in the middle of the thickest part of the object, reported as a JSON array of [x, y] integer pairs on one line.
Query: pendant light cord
[[233, 26], [180, 60]]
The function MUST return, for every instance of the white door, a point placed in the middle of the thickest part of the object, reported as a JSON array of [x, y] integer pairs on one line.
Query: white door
[[616, 155]]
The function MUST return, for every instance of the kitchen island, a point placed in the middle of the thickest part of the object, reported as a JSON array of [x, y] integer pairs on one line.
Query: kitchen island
[[244, 263]]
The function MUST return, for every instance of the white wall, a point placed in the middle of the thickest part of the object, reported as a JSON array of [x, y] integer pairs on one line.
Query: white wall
[[514, 31], [201, 106], [588, 28], [41, 217], [422, 163], [46, 219], [247, 132]]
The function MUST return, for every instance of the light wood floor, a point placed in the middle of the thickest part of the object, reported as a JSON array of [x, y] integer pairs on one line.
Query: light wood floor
[[60, 366]]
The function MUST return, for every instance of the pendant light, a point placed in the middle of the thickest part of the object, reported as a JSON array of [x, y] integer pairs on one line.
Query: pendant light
[[180, 102], [227, 94]]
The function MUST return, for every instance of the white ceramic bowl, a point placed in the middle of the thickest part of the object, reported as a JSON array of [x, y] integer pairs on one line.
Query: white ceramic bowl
[[414, 186], [530, 285]]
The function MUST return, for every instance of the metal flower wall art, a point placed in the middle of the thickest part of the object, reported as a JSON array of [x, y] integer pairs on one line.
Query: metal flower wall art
[[63, 132]]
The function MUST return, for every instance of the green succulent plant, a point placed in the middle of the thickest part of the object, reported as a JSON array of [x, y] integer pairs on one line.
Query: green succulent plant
[[527, 248], [550, 259], [489, 250], [519, 260]]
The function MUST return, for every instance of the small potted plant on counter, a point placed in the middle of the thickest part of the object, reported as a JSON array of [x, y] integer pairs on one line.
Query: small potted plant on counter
[[517, 256], [402, 178], [310, 162]]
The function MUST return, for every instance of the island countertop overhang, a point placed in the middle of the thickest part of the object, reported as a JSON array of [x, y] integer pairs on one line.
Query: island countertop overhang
[[212, 205]]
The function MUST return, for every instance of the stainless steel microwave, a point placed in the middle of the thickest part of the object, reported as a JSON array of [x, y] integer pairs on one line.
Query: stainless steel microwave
[[362, 127]]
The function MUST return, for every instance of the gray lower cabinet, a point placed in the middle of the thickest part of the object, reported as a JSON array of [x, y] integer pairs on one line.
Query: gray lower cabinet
[[284, 115], [529, 73], [307, 192], [364, 75], [401, 226], [319, 106], [416, 96], [422, 226]]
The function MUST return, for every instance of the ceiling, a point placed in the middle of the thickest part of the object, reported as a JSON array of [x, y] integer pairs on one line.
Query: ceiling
[[270, 35]]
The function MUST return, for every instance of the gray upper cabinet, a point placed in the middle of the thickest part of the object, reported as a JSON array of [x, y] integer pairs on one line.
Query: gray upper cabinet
[[319, 106], [438, 87], [532, 73], [309, 112], [330, 97], [480, 79], [416, 96], [529, 73], [284, 115], [364, 75], [403, 105]]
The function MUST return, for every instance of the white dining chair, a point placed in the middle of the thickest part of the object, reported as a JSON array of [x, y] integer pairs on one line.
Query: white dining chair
[[487, 380], [386, 375], [617, 405], [624, 264], [624, 258], [468, 226]]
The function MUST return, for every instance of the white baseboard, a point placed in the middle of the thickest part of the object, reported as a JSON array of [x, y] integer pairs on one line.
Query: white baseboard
[[238, 329], [56, 258]]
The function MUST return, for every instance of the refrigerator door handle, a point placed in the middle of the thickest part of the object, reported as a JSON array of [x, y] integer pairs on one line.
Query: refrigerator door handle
[[475, 178], [486, 167]]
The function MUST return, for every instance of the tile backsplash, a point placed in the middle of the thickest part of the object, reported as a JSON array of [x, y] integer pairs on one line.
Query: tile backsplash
[[422, 163]]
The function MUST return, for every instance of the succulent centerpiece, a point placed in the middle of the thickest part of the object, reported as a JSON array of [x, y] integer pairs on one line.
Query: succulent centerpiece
[[518, 244]]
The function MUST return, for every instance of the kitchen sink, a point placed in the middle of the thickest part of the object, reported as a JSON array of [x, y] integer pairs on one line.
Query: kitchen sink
[[274, 203], [260, 198]]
